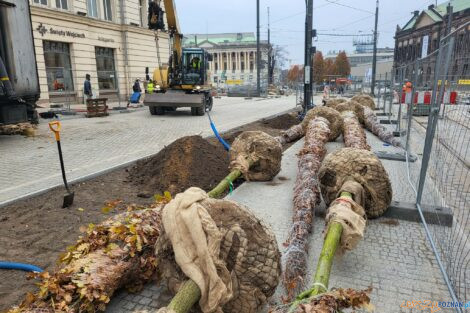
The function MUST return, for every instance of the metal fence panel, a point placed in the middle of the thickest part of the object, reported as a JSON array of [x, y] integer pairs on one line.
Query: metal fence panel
[[438, 115]]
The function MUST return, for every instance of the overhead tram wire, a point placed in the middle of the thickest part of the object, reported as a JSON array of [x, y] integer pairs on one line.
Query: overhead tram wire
[[350, 7], [299, 13]]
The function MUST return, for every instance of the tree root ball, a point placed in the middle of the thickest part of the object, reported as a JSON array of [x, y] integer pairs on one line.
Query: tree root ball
[[364, 167], [333, 116], [354, 106], [257, 155], [332, 103], [365, 100], [249, 249]]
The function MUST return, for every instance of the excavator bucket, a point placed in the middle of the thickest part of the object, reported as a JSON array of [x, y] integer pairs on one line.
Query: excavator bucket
[[174, 99]]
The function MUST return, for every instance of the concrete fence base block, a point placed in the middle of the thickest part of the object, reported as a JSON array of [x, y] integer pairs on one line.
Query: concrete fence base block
[[387, 122], [406, 211], [399, 133], [394, 156], [383, 114]]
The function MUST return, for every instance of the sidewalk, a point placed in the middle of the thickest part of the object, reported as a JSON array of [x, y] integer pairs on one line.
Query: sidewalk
[[394, 258]]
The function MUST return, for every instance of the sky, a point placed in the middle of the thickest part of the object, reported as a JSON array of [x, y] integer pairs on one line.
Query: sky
[[347, 17]]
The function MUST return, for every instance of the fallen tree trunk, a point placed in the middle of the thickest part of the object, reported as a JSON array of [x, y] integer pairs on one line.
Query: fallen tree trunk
[[353, 134], [306, 197], [292, 134], [372, 124]]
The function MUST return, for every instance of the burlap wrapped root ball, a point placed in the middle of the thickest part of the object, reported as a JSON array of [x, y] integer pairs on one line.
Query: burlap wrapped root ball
[[257, 155], [248, 250], [332, 103], [333, 117], [365, 168], [365, 100], [354, 106]]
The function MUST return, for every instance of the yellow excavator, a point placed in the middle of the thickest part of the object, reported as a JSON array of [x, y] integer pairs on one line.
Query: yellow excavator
[[184, 81]]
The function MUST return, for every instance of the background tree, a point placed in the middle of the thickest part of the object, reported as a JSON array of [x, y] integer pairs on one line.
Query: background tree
[[343, 68], [318, 67], [330, 68], [278, 59], [295, 74]]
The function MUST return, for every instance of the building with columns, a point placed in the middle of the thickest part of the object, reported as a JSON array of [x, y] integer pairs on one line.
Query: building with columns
[[234, 57], [108, 39]]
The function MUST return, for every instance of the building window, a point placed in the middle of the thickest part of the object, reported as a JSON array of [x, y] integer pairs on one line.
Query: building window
[[92, 8], [61, 4], [225, 66], [105, 68], [234, 66], [107, 9], [465, 70], [251, 66], [216, 67], [58, 66], [43, 2]]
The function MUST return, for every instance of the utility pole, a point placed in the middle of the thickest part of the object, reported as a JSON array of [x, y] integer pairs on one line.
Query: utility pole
[[270, 80], [258, 52], [450, 12], [308, 57], [374, 60]]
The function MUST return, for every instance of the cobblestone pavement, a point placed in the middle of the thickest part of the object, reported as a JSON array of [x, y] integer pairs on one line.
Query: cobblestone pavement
[[394, 258], [30, 165]]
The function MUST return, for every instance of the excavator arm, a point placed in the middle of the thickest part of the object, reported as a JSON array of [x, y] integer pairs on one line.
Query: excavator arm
[[174, 27]]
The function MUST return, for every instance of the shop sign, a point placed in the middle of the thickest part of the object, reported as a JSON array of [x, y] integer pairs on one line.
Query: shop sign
[[464, 81], [59, 32], [105, 39]]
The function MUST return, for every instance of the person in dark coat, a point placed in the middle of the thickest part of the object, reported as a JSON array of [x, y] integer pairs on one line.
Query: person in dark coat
[[87, 92]]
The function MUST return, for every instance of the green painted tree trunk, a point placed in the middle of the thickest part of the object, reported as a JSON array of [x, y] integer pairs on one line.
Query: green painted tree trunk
[[224, 184], [325, 262]]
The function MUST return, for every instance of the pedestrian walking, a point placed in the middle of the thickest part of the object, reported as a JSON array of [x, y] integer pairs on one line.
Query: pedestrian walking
[[87, 92], [137, 91]]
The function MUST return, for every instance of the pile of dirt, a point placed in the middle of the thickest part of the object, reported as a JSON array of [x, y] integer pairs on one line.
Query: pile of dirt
[[187, 162]]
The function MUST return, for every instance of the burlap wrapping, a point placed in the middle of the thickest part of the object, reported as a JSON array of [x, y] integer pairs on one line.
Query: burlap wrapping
[[351, 216], [373, 125], [306, 197], [365, 100], [229, 253], [291, 134], [354, 106], [354, 134], [333, 117], [257, 155], [363, 167], [332, 103]]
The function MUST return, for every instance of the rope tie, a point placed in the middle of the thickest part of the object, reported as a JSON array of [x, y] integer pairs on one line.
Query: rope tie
[[230, 185]]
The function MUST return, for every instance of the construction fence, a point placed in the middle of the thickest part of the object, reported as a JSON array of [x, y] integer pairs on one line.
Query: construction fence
[[429, 99]]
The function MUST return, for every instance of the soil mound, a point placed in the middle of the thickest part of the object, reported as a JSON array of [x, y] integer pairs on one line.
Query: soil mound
[[187, 162], [284, 121]]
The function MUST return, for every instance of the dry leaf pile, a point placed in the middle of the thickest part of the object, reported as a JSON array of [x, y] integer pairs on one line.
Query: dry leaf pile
[[114, 254]]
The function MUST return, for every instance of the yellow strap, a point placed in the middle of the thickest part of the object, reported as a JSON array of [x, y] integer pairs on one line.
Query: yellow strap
[[4, 78]]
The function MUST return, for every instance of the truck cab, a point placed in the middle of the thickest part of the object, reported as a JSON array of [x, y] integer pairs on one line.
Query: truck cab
[[19, 85], [194, 67]]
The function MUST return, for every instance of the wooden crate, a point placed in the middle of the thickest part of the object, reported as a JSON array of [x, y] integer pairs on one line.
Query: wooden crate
[[97, 107]]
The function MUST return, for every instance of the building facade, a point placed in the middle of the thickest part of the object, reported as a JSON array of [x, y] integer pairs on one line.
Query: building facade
[[359, 57], [108, 39], [421, 35], [234, 58]]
